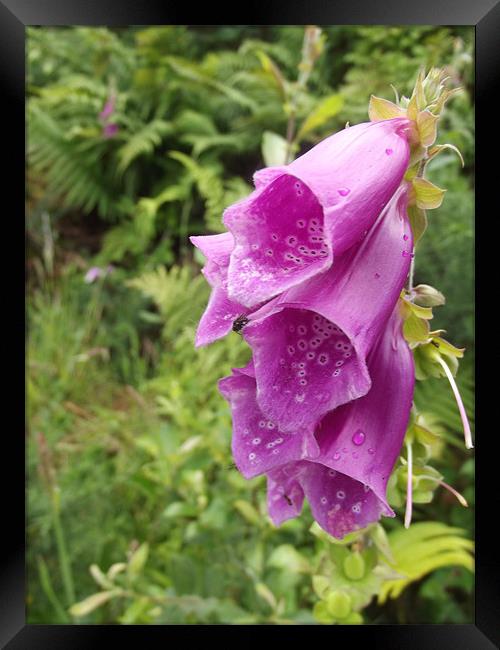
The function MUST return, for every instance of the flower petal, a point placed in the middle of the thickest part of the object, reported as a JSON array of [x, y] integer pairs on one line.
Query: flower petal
[[285, 495], [217, 319], [310, 343], [363, 439], [359, 444], [353, 174], [258, 445], [217, 249], [279, 240]]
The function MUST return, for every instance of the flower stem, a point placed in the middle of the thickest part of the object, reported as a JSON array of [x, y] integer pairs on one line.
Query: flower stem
[[460, 404], [312, 36], [460, 498], [409, 487]]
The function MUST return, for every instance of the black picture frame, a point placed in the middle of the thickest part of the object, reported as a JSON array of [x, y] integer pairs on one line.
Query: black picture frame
[[15, 15]]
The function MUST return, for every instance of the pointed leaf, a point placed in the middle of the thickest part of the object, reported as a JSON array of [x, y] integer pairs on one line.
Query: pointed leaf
[[383, 109], [326, 109], [428, 196]]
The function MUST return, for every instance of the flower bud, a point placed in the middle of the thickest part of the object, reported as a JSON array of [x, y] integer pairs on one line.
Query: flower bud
[[339, 604], [354, 566]]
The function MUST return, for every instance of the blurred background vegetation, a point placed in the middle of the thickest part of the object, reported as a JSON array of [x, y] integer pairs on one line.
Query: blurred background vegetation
[[135, 511]]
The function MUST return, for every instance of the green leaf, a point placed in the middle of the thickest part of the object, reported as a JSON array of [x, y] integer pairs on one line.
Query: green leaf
[[383, 109], [88, 605], [425, 547], [248, 512], [274, 149], [418, 222], [428, 196], [286, 557], [266, 594], [416, 330], [138, 560], [325, 109], [101, 579]]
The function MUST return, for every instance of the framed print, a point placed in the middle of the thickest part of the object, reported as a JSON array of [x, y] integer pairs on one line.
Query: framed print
[[256, 273]]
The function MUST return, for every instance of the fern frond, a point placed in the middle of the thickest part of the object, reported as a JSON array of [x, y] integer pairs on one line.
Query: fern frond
[[180, 298], [143, 142], [71, 169], [425, 547]]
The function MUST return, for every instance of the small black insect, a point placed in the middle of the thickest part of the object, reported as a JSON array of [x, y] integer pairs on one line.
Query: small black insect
[[239, 323], [435, 344], [288, 500]]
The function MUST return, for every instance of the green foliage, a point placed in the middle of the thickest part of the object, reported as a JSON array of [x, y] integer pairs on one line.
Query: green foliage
[[136, 512], [423, 548]]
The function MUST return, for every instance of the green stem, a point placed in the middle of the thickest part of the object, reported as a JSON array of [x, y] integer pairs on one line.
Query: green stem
[[305, 69], [62, 554], [48, 589]]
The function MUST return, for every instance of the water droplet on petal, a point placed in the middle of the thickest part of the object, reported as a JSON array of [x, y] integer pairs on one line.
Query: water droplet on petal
[[371, 450], [389, 152], [336, 456], [405, 237], [358, 438], [344, 191]]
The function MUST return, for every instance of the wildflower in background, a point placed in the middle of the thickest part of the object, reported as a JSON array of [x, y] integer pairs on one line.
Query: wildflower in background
[[310, 344], [96, 272], [342, 469], [109, 108], [109, 129], [302, 214]]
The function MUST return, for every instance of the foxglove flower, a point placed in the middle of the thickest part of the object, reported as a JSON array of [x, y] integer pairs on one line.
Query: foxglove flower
[[108, 109], [221, 312], [344, 467], [310, 343], [109, 130], [302, 214]]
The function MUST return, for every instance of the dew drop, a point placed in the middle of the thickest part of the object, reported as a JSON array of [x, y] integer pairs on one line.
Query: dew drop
[[340, 494], [371, 450], [377, 275], [344, 191], [256, 441], [358, 438], [389, 152], [336, 455], [405, 237]]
